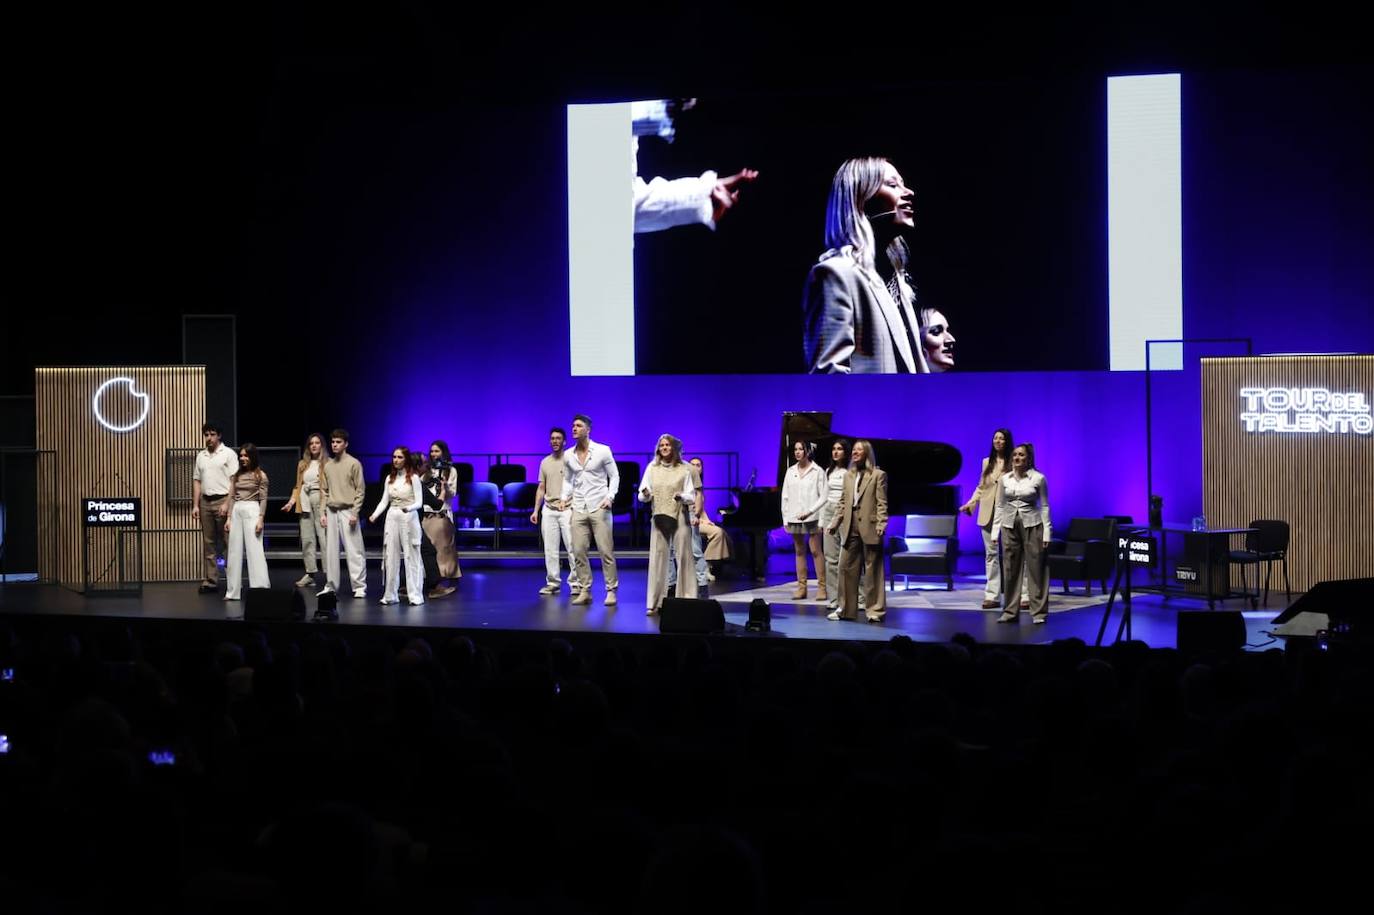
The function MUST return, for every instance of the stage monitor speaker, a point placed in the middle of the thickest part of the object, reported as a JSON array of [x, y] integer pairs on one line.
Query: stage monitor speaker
[[273, 605], [1344, 598], [1340, 608], [211, 341], [1210, 630], [688, 615]]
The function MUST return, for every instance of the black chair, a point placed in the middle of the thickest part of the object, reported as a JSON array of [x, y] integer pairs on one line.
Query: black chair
[[478, 502], [517, 503], [626, 500], [1087, 552], [501, 474], [929, 545], [464, 471], [1268, 544]]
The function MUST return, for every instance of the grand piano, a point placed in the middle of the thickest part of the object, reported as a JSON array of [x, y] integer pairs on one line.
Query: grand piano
[[918, 475]]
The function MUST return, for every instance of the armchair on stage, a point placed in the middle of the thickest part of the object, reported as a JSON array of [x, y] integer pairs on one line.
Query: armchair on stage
[[929, 545], [1087, 553]]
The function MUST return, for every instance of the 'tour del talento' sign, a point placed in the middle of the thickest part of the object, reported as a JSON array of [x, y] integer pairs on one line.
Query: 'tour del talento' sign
[[1306, 410]]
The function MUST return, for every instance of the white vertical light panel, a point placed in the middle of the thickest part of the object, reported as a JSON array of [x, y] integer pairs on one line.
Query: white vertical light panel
[[601, 281], [1144, 220]]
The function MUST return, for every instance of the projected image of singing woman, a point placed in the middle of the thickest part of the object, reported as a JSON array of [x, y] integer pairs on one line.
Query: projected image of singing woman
[[859, 307]]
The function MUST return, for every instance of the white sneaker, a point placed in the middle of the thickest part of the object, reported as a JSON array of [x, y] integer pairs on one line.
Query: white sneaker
[[305, 581], [360, 593], [550, 589], [415, 602], [384, 600], [327, 589]]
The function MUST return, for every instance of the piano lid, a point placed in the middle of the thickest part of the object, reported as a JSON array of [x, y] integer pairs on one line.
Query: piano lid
[[914, 468]]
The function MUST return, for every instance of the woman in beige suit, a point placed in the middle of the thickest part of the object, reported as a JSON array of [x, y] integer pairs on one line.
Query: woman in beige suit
[[859, 304], [984, 501], [861, 525], [667, 489]]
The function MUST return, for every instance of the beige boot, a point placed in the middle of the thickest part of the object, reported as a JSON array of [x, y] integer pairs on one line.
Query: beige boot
[[821, 593], [800, 593]]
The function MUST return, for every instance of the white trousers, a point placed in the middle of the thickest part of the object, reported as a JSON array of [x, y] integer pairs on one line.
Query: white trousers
[[994, 567], [553, 525], [352, 535], [401, 540], [243, 520]]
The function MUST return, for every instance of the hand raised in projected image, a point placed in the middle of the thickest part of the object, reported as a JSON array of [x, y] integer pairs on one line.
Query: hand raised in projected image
[[726, 192]]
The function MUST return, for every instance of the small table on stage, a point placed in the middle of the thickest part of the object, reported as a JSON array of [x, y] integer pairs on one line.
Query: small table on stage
[[1205, 571]]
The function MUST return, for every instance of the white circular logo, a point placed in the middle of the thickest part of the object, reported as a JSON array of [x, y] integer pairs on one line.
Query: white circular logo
[[100, 417]]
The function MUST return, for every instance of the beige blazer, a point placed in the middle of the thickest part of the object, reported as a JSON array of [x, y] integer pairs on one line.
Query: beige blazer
[[864, 510], [851, 323], [986, 493]]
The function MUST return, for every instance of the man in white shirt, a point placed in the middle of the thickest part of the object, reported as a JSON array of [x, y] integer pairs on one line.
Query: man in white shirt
[[210, 483], [590, 482]]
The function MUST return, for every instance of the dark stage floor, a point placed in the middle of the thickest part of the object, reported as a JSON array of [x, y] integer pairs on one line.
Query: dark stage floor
[[502, 594]]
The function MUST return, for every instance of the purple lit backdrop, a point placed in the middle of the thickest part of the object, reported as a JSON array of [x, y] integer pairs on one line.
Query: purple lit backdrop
[[400, 268], [1277, 234]]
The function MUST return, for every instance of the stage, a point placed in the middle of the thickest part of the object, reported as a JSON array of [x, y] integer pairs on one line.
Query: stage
[[502, 594]]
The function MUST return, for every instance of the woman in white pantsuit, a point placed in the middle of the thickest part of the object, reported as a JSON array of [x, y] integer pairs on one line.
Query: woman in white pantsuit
[[834, 489], [244, 525], [1022, 520], [667, 488], [401, 500]]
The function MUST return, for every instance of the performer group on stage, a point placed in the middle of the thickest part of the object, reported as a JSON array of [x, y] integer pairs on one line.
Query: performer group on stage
[[837, 516]]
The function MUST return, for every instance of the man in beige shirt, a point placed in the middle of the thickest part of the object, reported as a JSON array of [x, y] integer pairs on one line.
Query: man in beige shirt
[[552, 515], [210, 482], [341, 489]]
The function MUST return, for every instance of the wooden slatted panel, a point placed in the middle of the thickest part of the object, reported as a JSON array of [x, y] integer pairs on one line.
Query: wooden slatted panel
[[1318, 482], [95, 461]]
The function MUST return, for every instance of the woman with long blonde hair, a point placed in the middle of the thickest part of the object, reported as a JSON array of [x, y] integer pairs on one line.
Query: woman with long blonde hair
[[305, 502], [859, 305], [667, 489]]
